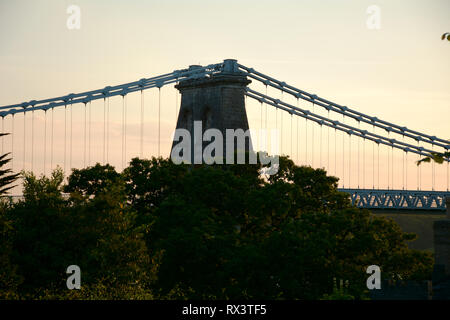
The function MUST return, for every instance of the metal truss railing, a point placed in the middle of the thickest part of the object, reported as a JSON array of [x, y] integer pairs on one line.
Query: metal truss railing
[[397, 199]]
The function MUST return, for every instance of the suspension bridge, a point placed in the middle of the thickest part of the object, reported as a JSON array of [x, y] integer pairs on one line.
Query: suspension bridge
[[374, 159]]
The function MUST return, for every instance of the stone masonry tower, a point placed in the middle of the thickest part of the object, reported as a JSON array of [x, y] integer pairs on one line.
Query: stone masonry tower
[[441, 272], [217, 101]]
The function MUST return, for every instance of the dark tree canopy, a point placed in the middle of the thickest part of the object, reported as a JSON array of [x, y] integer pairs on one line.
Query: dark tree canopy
[[160, 230]]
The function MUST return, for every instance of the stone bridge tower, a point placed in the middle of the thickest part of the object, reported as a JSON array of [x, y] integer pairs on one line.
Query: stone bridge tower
[[217, 102], [441, 272]]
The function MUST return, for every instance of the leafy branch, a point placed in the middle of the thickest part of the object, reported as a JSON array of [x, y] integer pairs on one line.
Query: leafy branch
[[6, 176], [436, 157]]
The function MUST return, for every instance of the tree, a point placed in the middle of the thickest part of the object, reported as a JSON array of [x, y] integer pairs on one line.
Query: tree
[[9, 279], [148, 182], [6, 175], [225, 232], [161, 230], [92, 180], [52, 231]]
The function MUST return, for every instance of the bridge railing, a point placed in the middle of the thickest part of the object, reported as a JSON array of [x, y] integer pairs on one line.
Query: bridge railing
[[398, 199]]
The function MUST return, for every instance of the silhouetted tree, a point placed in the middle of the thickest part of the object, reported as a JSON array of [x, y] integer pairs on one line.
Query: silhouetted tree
[[224, 232], [9, 279], [6, 175], [161, 230], [92, 180], [52, 231]]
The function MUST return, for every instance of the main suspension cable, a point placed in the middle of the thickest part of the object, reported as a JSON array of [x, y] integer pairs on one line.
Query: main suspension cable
[[250, 72]]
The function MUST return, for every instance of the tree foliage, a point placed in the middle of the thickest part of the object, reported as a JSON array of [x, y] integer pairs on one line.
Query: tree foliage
[[436, 157], [221, 235], [160, 230], [9, 279], [98, 234], [7, 178]]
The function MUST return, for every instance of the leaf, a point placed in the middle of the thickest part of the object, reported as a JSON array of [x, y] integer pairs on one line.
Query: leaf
[[427, 159], [438, 157]]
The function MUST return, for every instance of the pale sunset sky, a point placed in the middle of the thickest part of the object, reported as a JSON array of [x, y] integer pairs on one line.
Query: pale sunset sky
[[399, 72]]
